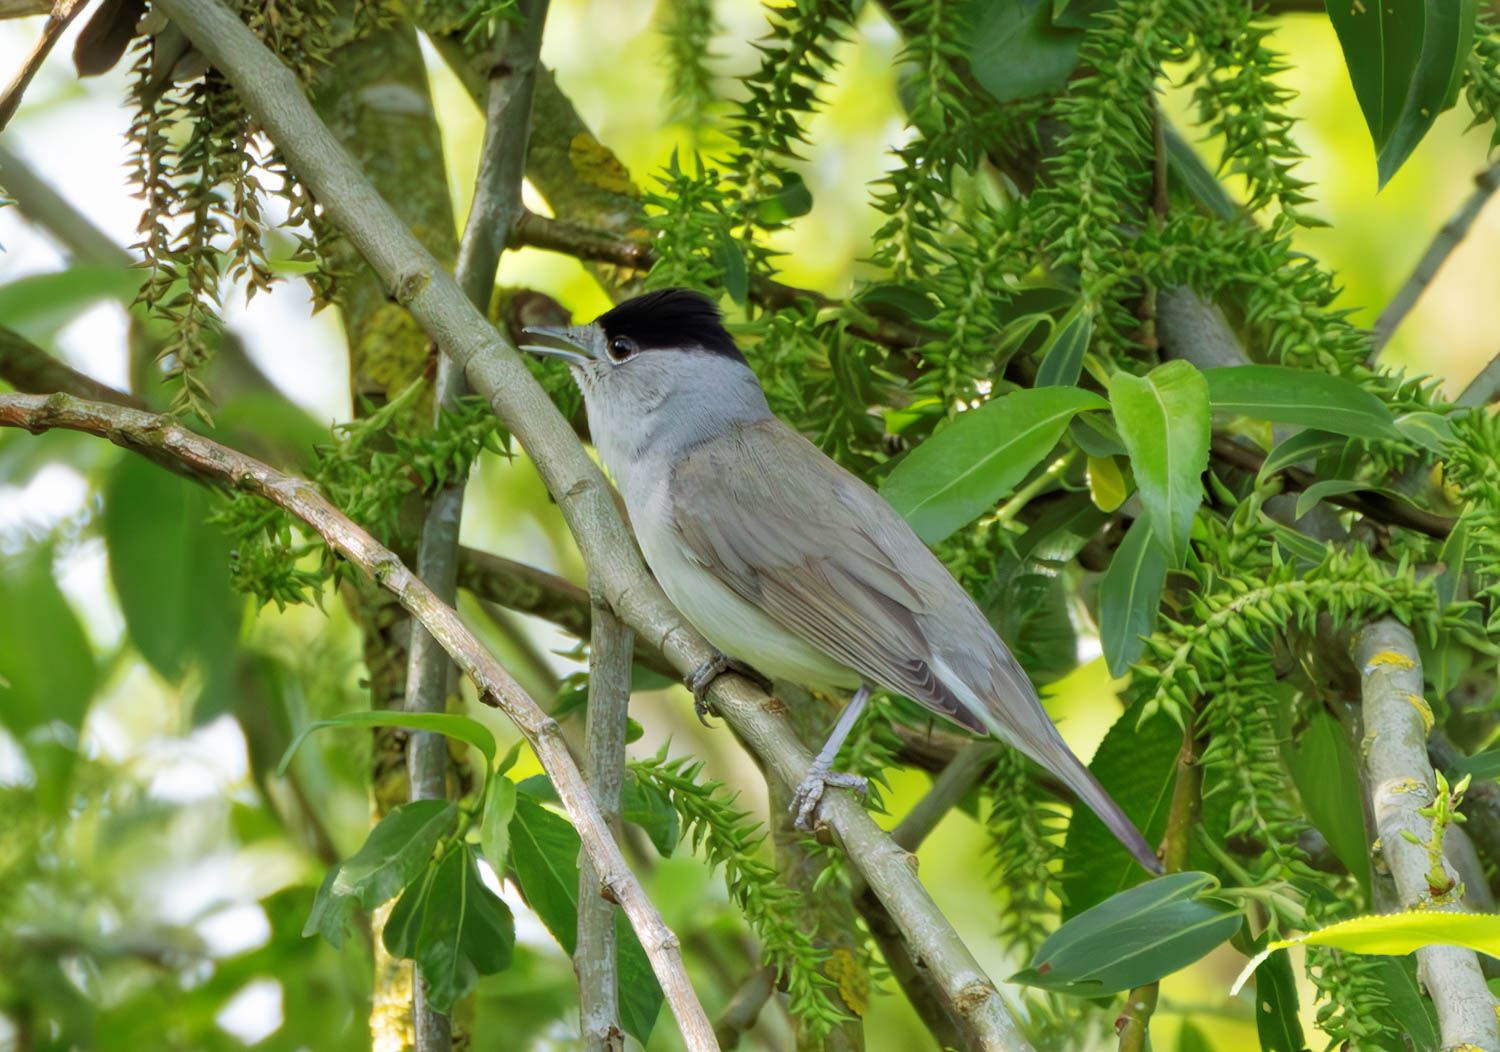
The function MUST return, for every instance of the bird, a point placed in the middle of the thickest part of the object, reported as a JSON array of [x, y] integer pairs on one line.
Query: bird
[[782, 559]]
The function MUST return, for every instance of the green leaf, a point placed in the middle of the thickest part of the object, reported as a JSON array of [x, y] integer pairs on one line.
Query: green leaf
[[1300, 396], [447, 723], [901, 302], [1410, 1009], [1404, 58], [1015, 51], [494, 824], [1129, 596], [1137, 767], [790, 200], [1135, 937], [1308, 498], [393, 855], [1062, 355], [1184, 164], [1429, 430], [47, 669], [1079, 14], [467, 931], [38, 305], [1323, 766], [1276, 1020], [170, 570], [965, 467], [1163, 419], [1483, 766], [649, 808], [1191, 1039], [1305, 445], [1395, 934], [729, 257], [544, 858]]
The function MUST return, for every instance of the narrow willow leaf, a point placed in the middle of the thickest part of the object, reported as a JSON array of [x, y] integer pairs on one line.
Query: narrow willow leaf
[[1062, 354], [1163, 419], [1428, 430], [1129, 596], [494, 823], [1326, 774], [446, 723], [966, 466], [1300, 396], [1276, 1021], [1135, 937], [1305, 445], [1395, 934], [1308, 498], [47, 670]]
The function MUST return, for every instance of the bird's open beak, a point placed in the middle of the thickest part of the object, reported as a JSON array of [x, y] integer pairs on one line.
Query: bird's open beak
[[561, 335]]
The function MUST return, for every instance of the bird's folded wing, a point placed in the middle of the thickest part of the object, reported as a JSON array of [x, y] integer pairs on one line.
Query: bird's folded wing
[[812, 547]]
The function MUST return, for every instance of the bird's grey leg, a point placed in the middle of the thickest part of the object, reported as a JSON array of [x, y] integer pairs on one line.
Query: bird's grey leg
[[821, 774], [704, 675]]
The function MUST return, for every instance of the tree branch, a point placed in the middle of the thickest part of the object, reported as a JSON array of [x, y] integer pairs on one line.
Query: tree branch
[[63, 12], [965, 771], [135, 430], [604, 736], [1448, 238], [597, 246], [1400, 782], [1483, 388], [41, 204], [495, 369]]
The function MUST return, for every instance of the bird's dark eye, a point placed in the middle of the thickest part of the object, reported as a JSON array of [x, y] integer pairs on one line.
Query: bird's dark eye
[[621, 347]]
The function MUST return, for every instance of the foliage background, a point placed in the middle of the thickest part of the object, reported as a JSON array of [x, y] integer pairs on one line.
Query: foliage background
[[188, 849]]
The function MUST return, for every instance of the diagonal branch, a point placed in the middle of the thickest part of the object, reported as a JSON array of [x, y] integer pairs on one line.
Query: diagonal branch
[[63, 13], [1399, 779], [494, 368], [1443, 245], [149, 433]]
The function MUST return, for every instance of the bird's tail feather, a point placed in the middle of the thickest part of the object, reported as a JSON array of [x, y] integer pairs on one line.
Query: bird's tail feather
[[1044, 745]]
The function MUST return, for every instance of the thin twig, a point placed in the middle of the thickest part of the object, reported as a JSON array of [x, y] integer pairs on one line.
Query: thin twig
[[1399, 780], [1134, 1022], [585, 243], [1483, 388], [43, 205], [63, 12], [604, 741], [497, 201], [1448, 238], [743, 1009], [271, 93], [133, 429], [948, 788]]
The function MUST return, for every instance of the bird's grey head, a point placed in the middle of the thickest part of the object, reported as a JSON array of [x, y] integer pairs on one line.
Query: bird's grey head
[[657, 369]]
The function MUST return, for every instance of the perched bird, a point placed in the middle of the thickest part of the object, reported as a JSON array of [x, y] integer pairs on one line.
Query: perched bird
[[782, 558]]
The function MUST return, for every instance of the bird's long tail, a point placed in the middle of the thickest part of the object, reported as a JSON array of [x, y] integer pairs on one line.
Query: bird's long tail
[[1038, 738]]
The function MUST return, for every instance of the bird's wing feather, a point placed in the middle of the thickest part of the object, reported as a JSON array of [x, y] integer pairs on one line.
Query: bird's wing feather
[[786, 541]]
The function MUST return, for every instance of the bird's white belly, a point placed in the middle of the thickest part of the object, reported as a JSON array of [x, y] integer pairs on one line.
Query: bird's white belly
[[738, 628]]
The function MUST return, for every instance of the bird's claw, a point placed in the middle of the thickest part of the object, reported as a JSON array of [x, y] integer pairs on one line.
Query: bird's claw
[[809, 794], [704, 675]]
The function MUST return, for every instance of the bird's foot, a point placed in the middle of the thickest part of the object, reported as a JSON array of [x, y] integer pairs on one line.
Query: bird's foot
[[704, 675], [809, 794]]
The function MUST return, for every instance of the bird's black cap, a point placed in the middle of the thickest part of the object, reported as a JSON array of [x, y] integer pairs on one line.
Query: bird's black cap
[[670, 318]]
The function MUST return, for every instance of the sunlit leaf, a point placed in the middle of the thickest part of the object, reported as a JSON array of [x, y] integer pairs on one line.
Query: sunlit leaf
[[1163, 418], [1129, 596], [1300, 396]]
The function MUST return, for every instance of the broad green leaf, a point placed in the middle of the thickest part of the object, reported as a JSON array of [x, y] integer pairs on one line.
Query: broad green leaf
[[494, 823], [1106, 483], [544, 858], [729, 257], [447, 723], [790, 200], [1322, 490], [1395, 934], [1276, 1020], [1184, 164], [646, 806], [892, 300], [1300, 396], [170, 570], [1137, 767], [1015, 51], [1483, 767], [47, 669], [1163, 419], [1062, 354], [403, 925], [1409, 1008], [1135, 937], [1326, 774], [1079, 14], [466, 932], [38, 305], [393, 855], [1129, 596], [1096, 435], [1429, 430], [1305, 445], [1404, 57], [966, 466]]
